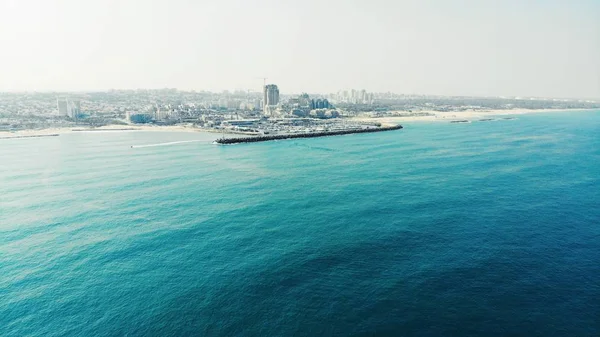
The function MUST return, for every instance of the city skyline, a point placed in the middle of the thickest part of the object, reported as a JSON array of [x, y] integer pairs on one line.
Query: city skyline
[[256, 93], [477, 48]]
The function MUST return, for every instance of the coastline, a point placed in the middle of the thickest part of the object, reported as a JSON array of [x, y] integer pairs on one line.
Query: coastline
[[438, 116]]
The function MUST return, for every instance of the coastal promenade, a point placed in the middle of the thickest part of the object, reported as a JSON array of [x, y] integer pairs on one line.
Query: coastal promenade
[[304, 135]]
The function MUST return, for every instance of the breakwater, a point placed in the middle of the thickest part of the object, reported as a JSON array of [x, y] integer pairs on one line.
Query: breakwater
[[30, 136], [303, 135], [92, 129]]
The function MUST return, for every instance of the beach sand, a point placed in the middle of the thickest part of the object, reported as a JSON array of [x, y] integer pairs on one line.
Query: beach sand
[[107, 128], [438, 116]]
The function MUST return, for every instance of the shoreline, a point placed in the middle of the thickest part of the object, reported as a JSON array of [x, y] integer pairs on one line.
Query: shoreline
[[384, 120], [438, 116], [30, 133]]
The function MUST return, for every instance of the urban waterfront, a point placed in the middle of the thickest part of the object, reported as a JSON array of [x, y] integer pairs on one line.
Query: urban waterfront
[[250, 112], [440, 229]]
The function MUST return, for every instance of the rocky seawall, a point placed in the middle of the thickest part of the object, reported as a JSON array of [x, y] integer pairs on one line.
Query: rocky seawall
[[303, 135]]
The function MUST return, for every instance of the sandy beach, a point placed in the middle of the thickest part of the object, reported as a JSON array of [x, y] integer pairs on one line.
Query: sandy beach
[[108, 128], [437, 116]]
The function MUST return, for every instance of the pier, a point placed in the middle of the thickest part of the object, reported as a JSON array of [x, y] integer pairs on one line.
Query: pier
[[304, 135]]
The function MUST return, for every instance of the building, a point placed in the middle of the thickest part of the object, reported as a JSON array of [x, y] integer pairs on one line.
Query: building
[[324, 113], [61, 104], [320, 104], [270, 98], [67, 107], [233, 104], [74, 108]]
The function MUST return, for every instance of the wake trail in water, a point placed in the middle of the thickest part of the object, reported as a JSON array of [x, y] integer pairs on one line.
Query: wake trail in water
[[166, 144], [314, 147]]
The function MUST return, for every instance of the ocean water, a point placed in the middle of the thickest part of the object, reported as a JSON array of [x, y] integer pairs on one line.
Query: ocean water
[[439, 229]]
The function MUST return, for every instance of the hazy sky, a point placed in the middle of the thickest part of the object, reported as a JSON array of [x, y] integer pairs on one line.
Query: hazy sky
[[478, 47]]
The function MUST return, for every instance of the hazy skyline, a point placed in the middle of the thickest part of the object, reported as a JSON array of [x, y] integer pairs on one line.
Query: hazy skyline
[[486, 48]]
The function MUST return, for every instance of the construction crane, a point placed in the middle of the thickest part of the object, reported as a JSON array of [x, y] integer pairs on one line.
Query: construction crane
[[264, 80]]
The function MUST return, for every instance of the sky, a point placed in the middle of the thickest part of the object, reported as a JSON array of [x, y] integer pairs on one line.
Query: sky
[[546, 48]]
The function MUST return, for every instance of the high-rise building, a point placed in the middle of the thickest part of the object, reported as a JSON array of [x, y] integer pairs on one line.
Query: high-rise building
[[319, 104], [67, 107], [61, 104], [264, 101], [73, 108], [270, 97], [304, 101]]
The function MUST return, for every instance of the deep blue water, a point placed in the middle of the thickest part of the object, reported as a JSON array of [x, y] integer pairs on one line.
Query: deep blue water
[[489, 229]]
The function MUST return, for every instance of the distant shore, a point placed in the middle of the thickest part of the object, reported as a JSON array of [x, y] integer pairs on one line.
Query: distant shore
[[438, 116], [403, 116]]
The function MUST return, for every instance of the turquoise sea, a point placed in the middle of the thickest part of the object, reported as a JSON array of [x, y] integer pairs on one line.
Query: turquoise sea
[[481, 229]]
